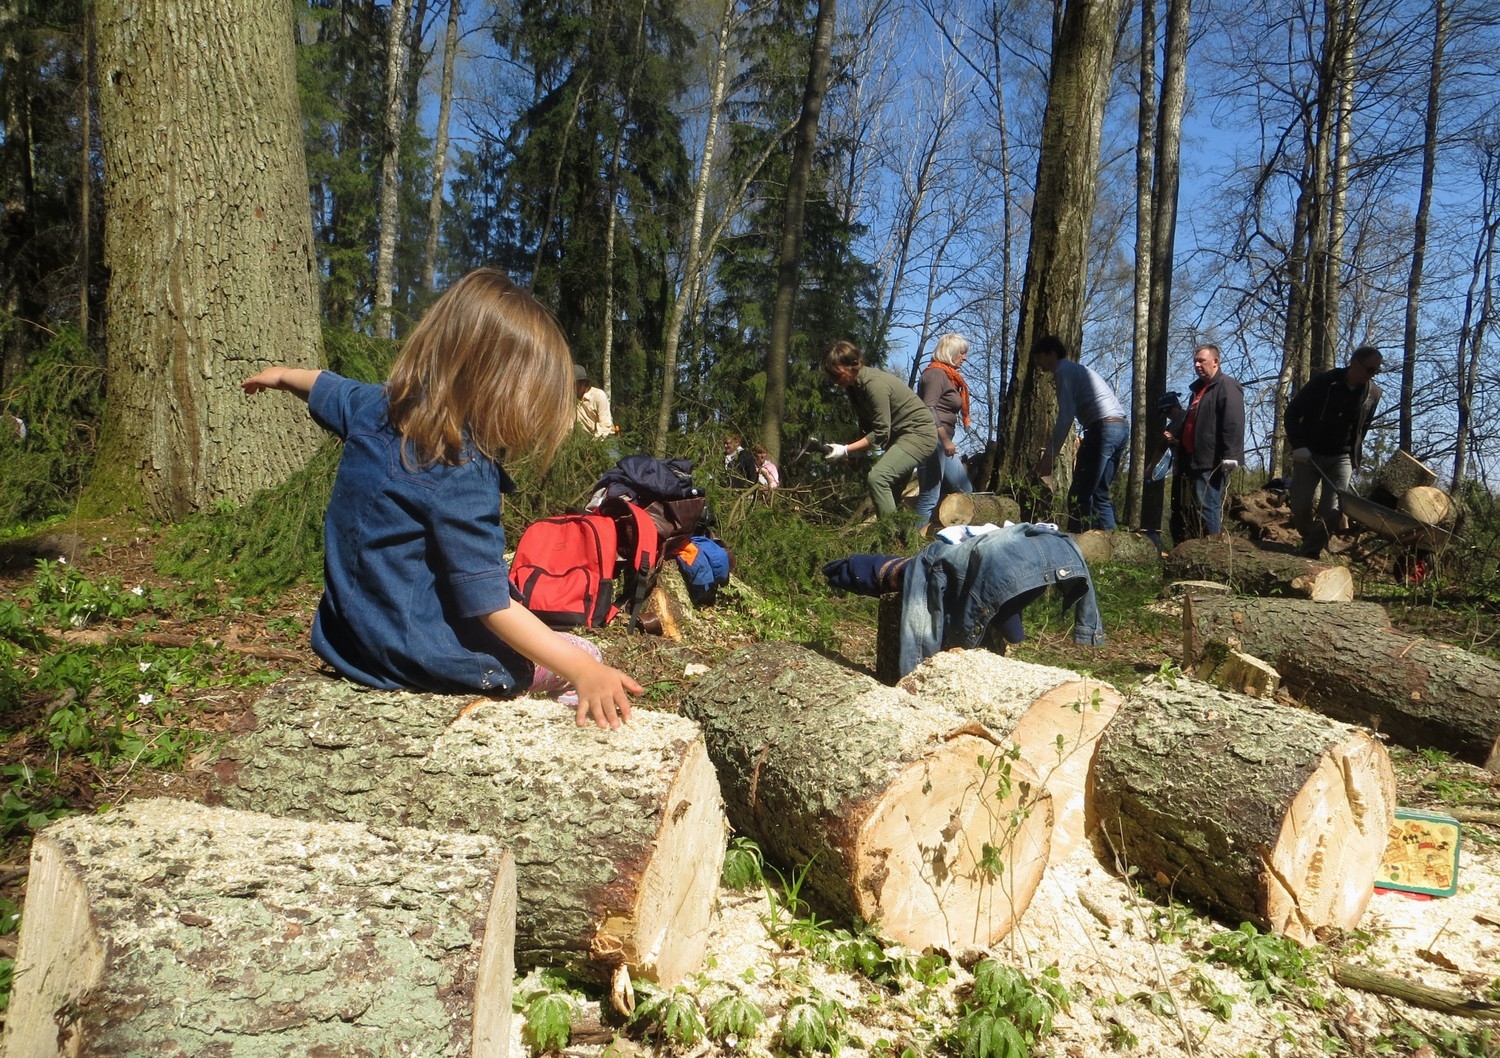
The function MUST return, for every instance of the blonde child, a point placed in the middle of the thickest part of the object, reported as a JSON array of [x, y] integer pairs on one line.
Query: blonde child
[[415, 588]]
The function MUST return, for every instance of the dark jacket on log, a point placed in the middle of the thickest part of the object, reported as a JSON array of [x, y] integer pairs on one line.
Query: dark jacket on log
[[953, 592], [1328, 418]]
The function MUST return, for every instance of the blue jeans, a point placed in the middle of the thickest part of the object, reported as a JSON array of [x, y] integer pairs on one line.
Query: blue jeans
[[1197, 503], [1314, 503], [1094, 470], [939, 475]]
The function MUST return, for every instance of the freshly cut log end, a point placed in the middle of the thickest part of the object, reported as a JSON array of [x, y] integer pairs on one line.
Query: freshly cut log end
[[1254, 571], [1054, 717], [1254, 810], [898, 810], [953, 850], [169, 928], [1428, 505]]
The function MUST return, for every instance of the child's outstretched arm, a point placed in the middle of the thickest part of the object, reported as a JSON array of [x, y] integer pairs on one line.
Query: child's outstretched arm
[[298, 380], [603, 692]]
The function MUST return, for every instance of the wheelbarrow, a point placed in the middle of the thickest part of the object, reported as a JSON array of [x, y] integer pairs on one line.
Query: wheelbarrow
[[1391, 524]]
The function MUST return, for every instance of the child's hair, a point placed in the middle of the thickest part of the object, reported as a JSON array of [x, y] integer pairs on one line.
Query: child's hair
[[487, 364]]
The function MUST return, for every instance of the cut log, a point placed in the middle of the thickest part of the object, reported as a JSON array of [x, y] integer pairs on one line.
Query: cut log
[[977, 508], [618, 835], [1053, 716], [168, 928], [1256, 572], [1255, 811], [1429, 505], [899, 812], [1120, 546], [1402, 473], [888, 638], [1345, 661]]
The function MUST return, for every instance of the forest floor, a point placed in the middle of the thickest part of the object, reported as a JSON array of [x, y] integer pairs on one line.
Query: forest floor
[[1140, 977]]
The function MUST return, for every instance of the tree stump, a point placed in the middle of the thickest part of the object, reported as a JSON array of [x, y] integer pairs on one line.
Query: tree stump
[[900, 812], [168, 928], [977, 508], [1255, 572], [1054, 716], [618, 835], [1120, 546], [1266, 513], [1250, 809], [1233, 670], [1345, 661]]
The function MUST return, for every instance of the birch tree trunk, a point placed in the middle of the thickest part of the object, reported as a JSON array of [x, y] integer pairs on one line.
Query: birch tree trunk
[[208, 240], [440, 148], [1143, 423], [390, 158]]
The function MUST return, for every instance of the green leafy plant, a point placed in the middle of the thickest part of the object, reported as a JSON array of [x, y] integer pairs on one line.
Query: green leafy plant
[[1216, 1001], [744, 867], [785, 906], [1273, 965], [1006, 1013], [813, 1025], [668, 1015], [733, 1017], [549, 1007]]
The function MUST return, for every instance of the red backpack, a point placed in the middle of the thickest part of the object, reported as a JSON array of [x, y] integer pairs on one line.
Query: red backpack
[[565, 567]]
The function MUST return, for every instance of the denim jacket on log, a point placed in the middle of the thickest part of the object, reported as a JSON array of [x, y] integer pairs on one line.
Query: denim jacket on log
[[953, 591]]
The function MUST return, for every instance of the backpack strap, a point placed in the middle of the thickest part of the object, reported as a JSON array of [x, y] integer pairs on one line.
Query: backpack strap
[[641, 550]]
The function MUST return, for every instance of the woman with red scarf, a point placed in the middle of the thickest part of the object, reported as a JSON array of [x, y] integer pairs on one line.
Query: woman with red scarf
[[943, 390]]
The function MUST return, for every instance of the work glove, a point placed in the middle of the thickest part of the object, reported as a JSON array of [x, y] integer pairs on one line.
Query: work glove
[[836, 452], [1229, 464], [1301, 455]]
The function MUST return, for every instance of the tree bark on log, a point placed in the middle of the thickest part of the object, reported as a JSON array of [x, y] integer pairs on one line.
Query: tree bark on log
[[1054, 716], [1402, 473], [1121, 546], [618, 835], [977, 508], [900, 812], [168, 928], [1347, 662], [1255, 572], [1251, 809]]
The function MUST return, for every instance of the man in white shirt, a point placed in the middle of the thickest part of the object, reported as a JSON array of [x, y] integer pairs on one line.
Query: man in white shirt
[[593, 406]]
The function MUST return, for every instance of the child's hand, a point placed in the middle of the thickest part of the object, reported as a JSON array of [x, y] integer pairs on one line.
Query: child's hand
[[270, 378], [604, 696], [296, 380]]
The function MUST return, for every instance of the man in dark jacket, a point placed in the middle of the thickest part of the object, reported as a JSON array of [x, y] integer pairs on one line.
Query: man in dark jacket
[[1209, 443], [1326, 422]]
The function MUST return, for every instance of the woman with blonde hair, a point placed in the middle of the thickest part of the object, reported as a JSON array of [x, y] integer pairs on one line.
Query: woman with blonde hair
[[943, 389]]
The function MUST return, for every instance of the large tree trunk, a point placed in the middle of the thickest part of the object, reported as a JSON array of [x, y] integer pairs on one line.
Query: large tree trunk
[[393, 116], [1251, 809], [1144, 437], [1053, 716], [789, 257], [1256, 572], [899, 811], [1346, 661], [1052, 293], [168, 928], [208, 239], [618, 836]]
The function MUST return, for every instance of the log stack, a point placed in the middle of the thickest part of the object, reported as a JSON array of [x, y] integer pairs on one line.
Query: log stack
[[888, 807], [1345, 661], [1052, 717], [1253, 810], [169, 928], [618, 836]]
